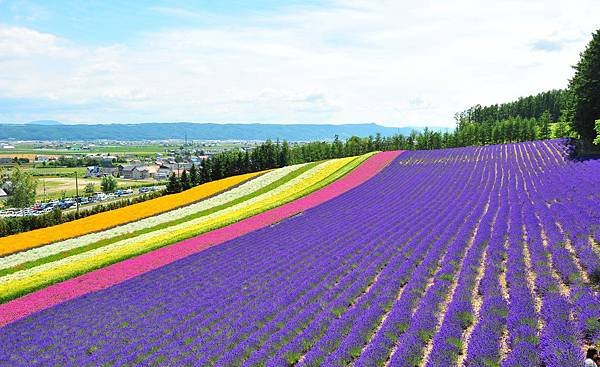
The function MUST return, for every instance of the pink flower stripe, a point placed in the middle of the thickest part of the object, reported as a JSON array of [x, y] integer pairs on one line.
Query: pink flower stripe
[[130, 268]]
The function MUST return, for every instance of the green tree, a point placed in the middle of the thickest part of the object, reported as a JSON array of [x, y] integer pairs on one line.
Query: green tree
[[562, 129], [284, 155], [56, 215], [194, 177], [174, 185], [22, 190], [89, 188], [108, 183], [184, 181], [544, 125], [585, 87], [597, 141], [205, 170]]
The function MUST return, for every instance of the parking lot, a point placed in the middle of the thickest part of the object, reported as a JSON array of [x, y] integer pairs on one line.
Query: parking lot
[[70, 203]]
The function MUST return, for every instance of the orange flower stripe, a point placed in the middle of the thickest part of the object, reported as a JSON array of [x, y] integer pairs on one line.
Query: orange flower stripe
[[113, 218]]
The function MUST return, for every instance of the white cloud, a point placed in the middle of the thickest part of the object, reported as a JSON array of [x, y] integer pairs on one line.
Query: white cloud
[[391, 62]]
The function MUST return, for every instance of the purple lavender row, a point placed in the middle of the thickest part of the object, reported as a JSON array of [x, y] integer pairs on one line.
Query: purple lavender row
[[448, 341], [351, 346], [558, 344], [399, 319], [586, 303], [256, 357], [523, 318], [278, 339], [293, 346], [484, 343], [424, 238], [411, 344]]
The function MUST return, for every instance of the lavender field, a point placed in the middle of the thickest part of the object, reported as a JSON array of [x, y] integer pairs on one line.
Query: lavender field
[[479, 256]]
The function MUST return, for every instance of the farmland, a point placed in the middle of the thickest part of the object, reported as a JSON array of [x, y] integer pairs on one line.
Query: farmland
[[477, 256]]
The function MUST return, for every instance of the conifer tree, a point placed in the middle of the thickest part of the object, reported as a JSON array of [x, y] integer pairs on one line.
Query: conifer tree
[[585, 88], [174, 186], [184, 181], [194, 177]]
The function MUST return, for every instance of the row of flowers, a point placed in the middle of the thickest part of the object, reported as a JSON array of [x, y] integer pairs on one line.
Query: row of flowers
[[121, 271], [239, 192], [24, 281], [101, 221]]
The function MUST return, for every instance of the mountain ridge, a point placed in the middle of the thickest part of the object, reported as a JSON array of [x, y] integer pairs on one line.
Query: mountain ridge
[[193, 131]]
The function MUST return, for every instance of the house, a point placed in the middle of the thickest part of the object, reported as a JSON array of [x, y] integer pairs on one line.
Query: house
[[152, 169], [92, 171], [6, 160], [3, 193], [42, 159], [106, 171], [174, 166], [133, 172], [162, 173], [97, 171]]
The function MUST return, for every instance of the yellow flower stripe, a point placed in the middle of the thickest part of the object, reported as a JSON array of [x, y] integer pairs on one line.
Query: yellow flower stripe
[[113, 218], [15, 284]]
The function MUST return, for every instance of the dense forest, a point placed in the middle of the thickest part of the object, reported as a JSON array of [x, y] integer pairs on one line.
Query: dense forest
[[553, 102]]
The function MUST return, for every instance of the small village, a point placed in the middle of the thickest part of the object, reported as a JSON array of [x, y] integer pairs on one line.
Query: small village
[[69, 174]]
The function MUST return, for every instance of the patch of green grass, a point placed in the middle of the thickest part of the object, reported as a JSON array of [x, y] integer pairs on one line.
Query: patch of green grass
[[456, 342], [292, 358], [338, 311], [447, 276], [466, 319], [425, 335], [355, 352]]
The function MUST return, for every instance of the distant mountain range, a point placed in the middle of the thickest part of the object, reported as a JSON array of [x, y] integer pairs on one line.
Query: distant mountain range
[[45, 122], [55, 130]]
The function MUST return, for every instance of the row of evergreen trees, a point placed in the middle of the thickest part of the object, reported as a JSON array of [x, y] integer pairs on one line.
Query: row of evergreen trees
[[552, 103], [277, 154]]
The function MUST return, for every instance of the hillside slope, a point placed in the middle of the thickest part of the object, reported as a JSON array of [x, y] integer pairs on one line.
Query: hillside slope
[[480, 255]]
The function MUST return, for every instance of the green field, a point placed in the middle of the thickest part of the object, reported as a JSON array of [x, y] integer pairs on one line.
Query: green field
[[139, 150], [57, 171], [56, 187], [117, 149]]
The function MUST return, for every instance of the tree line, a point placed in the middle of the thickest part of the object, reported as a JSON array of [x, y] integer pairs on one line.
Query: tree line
[[553, 103], [269, 155]]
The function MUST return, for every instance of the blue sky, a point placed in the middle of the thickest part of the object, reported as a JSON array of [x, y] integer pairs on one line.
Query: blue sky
[[106, 22], [396, 63]]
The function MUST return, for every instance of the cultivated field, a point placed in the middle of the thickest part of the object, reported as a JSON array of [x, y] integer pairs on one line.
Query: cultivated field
[[479, 256]]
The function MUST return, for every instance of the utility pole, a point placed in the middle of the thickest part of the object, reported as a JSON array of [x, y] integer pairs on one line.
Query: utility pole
[[77, 193]]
